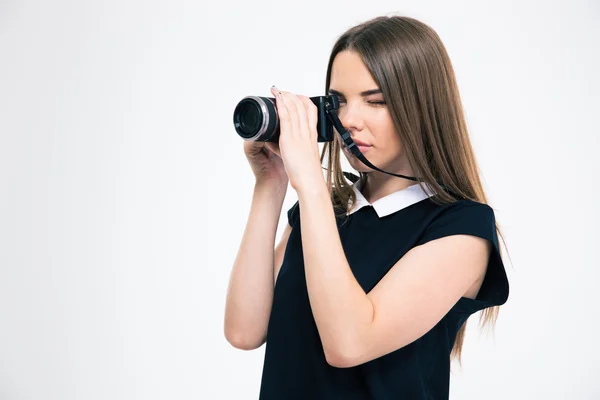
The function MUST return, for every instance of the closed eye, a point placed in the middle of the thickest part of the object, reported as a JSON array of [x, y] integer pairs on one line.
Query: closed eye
[[379, 103]]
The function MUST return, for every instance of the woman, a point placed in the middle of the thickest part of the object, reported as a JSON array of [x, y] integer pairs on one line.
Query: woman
[[374, 280]]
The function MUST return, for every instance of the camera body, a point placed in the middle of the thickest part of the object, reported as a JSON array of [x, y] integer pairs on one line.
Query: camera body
[[255, 118]]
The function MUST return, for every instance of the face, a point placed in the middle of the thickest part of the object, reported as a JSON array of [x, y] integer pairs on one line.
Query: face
[[364, 113]]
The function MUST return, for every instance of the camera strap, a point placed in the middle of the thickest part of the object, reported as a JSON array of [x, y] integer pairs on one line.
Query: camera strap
[[347, 138]]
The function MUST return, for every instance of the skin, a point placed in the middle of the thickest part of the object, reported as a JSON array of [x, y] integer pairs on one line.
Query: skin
[[419, 289], [370, 122]]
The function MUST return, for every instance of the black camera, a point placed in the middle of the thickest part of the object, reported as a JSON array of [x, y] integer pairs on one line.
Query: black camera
[[255, 118]]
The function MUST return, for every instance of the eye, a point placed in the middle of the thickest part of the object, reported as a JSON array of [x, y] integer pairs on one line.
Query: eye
[[374, 102]]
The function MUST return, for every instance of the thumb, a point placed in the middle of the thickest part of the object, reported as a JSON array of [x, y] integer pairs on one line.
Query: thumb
[[274, 147]]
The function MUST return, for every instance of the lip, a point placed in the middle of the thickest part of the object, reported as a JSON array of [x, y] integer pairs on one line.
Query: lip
[[363, 148], [360, 143]]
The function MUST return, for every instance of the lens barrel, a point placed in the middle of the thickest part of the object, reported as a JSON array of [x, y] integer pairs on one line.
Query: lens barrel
[[255, 119]]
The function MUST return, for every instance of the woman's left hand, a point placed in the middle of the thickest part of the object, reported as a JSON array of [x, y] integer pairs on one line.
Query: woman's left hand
[[298, 139]]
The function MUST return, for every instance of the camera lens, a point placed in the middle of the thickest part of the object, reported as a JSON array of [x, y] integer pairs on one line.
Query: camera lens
[[255, 118], [249, 118]]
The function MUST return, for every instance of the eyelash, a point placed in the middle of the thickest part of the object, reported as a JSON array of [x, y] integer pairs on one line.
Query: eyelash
[[380, 103]]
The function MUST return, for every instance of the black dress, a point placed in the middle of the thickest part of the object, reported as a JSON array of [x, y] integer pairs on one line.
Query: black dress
[[295, 366]]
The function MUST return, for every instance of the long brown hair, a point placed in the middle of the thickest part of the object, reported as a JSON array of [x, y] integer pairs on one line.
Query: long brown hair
[[410, 65]]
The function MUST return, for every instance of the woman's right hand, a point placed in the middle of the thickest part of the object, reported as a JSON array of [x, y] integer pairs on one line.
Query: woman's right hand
[[266, 163]]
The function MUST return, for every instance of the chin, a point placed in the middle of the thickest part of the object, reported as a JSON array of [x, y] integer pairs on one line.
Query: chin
[[359, 166]]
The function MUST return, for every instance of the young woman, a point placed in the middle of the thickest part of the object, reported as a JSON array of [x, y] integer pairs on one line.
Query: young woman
[[367, 294]]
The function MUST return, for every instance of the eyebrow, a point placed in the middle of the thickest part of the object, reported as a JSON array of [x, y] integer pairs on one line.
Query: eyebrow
[[365, 93]]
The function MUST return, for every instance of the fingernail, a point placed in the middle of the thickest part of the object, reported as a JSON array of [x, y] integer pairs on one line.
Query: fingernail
[[277, 92]]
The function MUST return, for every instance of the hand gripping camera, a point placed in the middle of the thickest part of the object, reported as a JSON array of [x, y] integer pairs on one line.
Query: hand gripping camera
[[255, 119]]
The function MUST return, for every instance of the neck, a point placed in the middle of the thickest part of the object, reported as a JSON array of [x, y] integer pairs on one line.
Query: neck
[[378, 185]]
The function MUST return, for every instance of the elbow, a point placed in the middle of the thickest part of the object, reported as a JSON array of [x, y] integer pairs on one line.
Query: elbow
[[243, 341], [341, 356], [336, 360]]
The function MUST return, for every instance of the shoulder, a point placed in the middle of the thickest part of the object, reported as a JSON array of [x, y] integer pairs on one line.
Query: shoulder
[[466, 217], [460, 217], [462, 206]]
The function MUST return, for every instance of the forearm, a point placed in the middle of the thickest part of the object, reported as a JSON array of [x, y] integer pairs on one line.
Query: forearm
[[250, 292], [341, 309]]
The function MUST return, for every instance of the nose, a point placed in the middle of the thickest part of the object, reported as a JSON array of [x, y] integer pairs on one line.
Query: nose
[[349, 116]]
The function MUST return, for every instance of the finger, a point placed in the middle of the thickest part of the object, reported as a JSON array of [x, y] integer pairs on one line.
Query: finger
[[292, 111], [285, 123], [312, 113], [303, 115]]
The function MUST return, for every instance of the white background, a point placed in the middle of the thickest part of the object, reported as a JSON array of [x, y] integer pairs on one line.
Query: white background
[[125, 191]]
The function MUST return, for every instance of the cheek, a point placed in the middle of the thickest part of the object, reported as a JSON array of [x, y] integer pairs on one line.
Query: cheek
[[387, 142], [384, 133]]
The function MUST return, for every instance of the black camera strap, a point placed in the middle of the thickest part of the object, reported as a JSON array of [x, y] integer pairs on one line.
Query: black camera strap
[[347, 138]]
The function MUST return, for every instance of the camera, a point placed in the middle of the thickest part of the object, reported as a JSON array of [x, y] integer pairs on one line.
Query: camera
[[255, 118]]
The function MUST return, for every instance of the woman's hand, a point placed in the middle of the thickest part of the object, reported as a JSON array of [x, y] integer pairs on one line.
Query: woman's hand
[[298, 139], [266, 163]]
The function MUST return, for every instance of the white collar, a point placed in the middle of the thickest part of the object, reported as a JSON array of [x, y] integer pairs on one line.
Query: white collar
[[391, 203]]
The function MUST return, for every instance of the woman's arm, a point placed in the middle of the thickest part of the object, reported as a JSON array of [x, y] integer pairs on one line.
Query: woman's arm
[[410, 299], [250, 291]]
